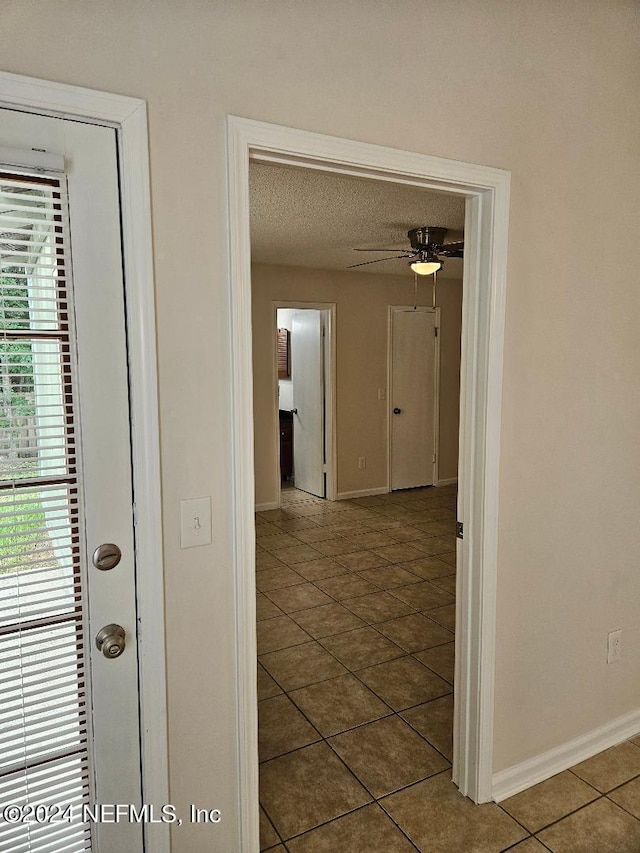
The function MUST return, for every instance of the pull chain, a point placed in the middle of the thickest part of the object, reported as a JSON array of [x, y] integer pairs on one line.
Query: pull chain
[[433, 290], [415, 290]]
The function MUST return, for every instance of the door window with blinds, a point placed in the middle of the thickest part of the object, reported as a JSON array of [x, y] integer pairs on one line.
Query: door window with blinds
[[44, 754]]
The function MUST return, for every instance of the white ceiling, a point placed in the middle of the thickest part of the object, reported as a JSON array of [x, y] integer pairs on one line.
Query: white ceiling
[[305, 218]]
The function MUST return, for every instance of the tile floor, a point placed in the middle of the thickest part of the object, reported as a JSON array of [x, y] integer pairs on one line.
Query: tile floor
[[355, 679]]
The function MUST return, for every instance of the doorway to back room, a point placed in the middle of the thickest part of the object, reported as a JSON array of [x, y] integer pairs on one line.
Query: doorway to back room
[[303, 399], [356, 597], [486, 194]]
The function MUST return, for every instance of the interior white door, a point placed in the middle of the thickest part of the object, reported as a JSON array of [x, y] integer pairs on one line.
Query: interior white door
[[69, 727], [412, 397], [307, 378]]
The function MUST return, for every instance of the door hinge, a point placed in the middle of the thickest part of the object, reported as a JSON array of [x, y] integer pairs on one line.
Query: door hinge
[[459, 530], [435, 330], [434, 459]]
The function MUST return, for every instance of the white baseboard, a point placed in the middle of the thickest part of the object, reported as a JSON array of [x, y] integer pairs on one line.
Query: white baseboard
[[269, 505], [362, 493], [514, 779], [450, 482]]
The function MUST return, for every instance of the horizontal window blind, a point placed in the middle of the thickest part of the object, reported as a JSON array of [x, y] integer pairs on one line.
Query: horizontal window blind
[[44, 757]]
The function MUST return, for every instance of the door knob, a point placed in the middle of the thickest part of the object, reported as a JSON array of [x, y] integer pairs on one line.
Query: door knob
[[397, 411], [110, 640], [106, 556]]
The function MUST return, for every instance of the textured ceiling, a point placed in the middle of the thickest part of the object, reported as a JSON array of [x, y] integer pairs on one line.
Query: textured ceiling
[[304, 218]]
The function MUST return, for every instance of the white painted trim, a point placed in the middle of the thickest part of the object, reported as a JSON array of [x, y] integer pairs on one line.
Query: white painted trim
[[31, 160], [436, 393], [330, 309], [362, 493], [484, 283], [266, 506], [487, 193], [508, 782], [128, 116], [450, 482], [330, 398], [243, 496], [423, 309]]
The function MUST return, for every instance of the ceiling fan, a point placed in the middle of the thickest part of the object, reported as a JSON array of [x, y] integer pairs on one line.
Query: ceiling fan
[[427, 250]]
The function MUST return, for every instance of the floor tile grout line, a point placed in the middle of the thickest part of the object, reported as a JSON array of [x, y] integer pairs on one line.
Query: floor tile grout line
[[591, 785], [571, 813], [355, 572], [514, 846], [352, 671], [388, 813], [260, 806], [396, 791], [352, 598], [375, 799], [405, 654], [606, 797], [409, 723], [599, 796], [355, 674], [515, 820], [374, 802], [391, 713], [622, 784]]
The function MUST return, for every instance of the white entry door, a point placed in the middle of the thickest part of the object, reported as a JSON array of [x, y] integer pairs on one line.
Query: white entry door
[[69, 729], [307, 378], [412, 398]]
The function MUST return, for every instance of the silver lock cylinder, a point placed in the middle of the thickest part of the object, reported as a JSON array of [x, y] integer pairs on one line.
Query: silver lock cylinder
[[110, 640], [106, 556]]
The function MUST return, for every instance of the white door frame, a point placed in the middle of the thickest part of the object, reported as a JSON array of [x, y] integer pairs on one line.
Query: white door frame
[[329, 391], [129, 117], [424, 309], [486, 225]]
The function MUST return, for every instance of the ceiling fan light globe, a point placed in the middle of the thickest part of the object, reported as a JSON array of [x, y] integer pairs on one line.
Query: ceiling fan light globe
[[425, 267]]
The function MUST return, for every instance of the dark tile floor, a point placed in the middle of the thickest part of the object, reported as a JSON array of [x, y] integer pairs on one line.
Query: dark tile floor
[[356, 613]]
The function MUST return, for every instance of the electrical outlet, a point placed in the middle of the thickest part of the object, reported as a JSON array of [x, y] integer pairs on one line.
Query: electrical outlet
[[362, 461], [614, 646]]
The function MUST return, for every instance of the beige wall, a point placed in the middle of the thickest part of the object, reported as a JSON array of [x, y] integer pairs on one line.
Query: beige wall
[[547, 90], [362, 304]]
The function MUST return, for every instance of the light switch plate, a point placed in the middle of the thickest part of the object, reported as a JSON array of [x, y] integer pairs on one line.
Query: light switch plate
[[195, 522]]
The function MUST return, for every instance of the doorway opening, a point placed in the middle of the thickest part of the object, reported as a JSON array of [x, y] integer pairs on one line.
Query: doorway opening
[[341, 591], [486, 193], [305, 400]]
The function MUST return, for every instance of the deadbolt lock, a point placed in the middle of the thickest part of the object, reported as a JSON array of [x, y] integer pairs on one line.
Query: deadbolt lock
[[106, 556], [110, 640]]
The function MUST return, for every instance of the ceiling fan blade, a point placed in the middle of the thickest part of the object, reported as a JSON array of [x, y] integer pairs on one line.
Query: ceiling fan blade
[[451, 250], [378, 260], [380, 250]]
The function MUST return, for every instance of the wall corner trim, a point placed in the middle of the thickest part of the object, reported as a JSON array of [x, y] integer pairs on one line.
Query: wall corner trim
[[521, 776], [451, 481]]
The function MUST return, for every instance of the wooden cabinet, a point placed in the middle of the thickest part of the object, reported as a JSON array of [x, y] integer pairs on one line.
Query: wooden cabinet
[[284, 354], [286, 445]]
